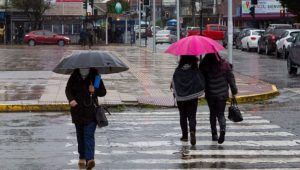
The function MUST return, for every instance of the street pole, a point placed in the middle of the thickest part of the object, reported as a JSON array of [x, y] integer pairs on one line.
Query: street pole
[[154, 26], [140, 42], [201, 16], [178, 21], [230, 31], [106, 31]]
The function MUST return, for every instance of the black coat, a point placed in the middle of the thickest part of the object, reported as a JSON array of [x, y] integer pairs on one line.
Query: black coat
[[77, 89], [218, 80]]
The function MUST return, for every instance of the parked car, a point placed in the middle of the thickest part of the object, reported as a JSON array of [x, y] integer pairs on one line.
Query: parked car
[[293, 59], [213, 31], [249, 41], [242, 34], [45, 37], [236, 32], [165, 36], [284, 42], [267, 41]]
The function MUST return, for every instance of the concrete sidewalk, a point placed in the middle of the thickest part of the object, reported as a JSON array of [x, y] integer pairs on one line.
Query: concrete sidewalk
[[146, 83]]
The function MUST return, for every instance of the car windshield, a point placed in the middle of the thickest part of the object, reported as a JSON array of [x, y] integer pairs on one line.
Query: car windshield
[[257, 32], [294, 34], [278, 32]]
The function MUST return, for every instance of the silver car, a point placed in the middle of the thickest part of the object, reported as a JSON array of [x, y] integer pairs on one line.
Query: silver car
[[165, 36]]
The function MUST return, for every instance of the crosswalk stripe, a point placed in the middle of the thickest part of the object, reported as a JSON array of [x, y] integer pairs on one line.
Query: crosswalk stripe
[[240, 127], [214, 160], [203, 152], [229, 127], [176, 122], [116, 118], [237, 134], [266, 143]]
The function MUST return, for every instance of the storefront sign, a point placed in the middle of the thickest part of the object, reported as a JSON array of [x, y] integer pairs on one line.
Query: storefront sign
[[263, 6]]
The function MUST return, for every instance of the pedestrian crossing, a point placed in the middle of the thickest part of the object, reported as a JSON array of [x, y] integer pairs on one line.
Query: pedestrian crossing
[[150, 140]]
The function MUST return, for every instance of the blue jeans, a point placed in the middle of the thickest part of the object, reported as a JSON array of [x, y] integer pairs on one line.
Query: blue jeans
[[86, 140]]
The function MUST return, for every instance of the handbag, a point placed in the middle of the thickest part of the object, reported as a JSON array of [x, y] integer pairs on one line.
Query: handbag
[[101, 117], [234, 113]]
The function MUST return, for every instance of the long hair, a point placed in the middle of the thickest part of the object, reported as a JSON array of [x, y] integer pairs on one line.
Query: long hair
[[188, 59], [213, 62]]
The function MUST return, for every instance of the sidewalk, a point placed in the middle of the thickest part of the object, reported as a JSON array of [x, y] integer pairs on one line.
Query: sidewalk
[[146, 83]]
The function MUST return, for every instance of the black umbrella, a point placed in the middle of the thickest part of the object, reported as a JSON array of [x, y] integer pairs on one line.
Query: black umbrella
[[105, 62]]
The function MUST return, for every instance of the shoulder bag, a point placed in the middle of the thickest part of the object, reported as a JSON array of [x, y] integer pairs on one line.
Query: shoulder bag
[[234, 113]]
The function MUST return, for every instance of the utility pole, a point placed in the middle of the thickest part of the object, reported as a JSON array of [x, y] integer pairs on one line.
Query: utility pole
[[154, 25], [178, 20], [230, 31]]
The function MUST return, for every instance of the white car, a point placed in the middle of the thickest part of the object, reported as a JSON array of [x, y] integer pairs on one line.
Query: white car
[[284, 42], [249, 41], [165, 36]]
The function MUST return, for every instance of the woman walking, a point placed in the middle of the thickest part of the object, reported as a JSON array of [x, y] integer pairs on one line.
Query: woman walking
[[82, 96], [218, 77], [188, 85]]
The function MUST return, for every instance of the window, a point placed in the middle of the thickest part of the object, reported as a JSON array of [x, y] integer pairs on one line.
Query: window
[[294, 34], [214, 28], [76, 28], [222, 28], [48, 27], [57, 28], [48, 33], [68, 29]]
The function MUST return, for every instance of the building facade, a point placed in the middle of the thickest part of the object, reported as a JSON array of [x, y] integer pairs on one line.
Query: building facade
[[266, 12]]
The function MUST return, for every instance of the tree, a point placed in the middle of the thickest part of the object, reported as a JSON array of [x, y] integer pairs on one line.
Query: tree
[[292, 6], [34, 9]]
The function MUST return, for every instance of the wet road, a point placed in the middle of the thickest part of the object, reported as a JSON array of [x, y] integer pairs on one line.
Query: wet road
[[146, 139]]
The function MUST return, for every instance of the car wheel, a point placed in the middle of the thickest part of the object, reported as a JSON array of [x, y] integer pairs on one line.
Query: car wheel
[[292, 70], [31, 43], [61, 43]]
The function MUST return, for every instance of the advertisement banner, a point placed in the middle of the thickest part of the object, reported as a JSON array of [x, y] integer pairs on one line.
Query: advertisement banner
[[263, 6]]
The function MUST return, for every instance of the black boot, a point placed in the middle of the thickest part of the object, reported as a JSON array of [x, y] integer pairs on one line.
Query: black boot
[[222, 137], [193, 138], [214, 136]]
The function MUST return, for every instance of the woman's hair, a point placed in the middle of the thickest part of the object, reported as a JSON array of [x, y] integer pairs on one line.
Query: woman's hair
[[188, 59], [212, 61]]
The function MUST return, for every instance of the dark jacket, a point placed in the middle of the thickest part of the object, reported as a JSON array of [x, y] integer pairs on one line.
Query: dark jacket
[[218, 78], [77, 89], [188, 83]]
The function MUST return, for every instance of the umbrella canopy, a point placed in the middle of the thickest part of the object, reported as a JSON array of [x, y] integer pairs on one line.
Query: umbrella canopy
[[105, 62], [194, 45]]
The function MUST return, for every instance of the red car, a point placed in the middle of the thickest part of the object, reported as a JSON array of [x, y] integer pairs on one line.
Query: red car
[[45, 37]]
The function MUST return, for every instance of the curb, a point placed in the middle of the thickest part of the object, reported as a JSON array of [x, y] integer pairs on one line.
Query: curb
[[65, 106], [258, 97]]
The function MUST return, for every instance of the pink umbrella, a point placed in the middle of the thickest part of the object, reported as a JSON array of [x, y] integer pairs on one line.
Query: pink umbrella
[[194, 45]]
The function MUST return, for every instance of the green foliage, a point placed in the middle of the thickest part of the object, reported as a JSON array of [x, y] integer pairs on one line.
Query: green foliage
[[111, 5], [34, 9], [292, 6]]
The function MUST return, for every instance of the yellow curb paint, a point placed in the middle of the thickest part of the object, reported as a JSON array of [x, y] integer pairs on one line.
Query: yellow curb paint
[[66, 107]]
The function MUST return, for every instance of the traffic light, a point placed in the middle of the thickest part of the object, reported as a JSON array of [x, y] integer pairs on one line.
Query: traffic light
[[148, 12], [252, 11], [91, 2], [254, 2], [84, 4], [147, 2]]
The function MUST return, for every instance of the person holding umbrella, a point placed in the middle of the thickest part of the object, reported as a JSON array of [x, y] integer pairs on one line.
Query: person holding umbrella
[[218, 78], [187, 84], [82, 96], [82, 90]]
